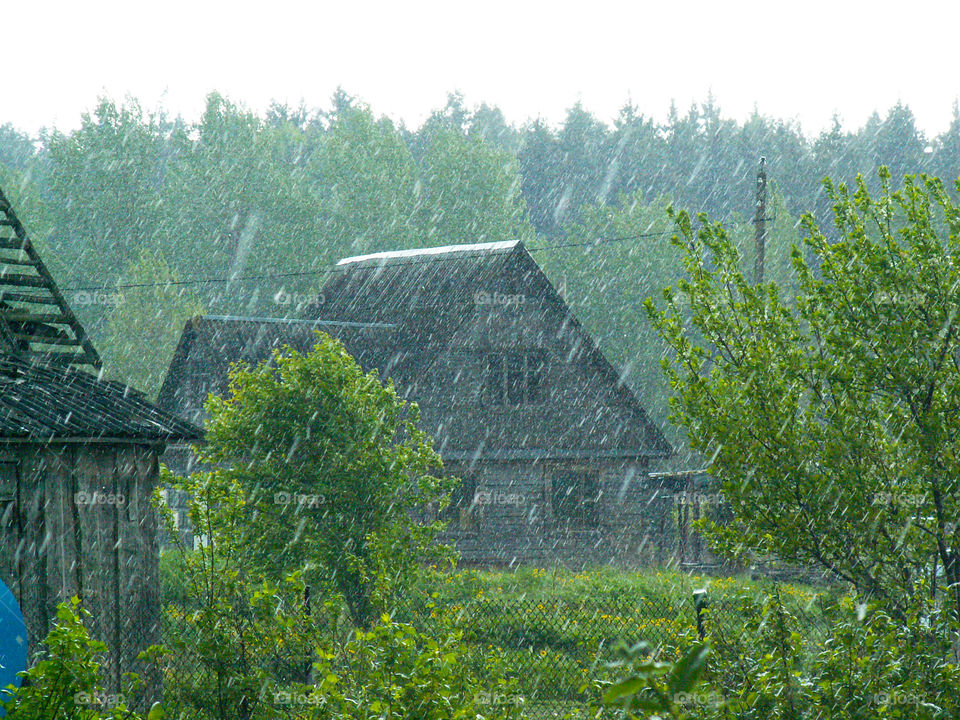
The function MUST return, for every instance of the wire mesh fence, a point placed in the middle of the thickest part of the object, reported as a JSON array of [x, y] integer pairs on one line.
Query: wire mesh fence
[[551, 651]]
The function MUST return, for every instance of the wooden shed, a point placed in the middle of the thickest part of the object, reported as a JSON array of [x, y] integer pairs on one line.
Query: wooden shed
[[79, 460]]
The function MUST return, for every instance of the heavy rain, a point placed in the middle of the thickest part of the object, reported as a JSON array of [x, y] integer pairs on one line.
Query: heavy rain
[[519, 361]]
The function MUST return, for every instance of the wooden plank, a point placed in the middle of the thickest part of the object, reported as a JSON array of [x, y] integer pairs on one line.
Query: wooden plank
[[10, 521], [65, 358], [98, 562], [40, 339], [51, 285], [61, 549], [21, 280], [37, 317], [33, 587], [20, 262], [27, 298], [139, 563]]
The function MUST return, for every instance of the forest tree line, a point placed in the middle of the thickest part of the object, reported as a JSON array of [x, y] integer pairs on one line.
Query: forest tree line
[[146, 219]]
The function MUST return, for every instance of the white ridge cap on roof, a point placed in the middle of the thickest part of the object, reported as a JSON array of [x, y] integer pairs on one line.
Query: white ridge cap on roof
[[416, 252]]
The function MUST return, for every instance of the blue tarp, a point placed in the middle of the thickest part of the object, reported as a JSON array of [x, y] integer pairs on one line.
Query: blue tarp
[[13, 642]]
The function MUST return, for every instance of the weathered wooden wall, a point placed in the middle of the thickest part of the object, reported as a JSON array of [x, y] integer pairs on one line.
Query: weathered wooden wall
[[636, 518], [77, 519]]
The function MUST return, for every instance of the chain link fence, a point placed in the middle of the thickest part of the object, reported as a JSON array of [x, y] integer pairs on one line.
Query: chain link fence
[[551, 651]]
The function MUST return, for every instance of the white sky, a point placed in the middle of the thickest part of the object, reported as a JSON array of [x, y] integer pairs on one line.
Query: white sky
[[800, 60]]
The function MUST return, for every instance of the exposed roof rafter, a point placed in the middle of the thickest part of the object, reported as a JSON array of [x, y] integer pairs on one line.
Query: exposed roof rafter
[[36, 323]]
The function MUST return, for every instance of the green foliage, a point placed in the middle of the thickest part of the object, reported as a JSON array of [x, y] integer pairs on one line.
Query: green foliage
[[239, 199], [339, 476], [371, 185], [868, 666], [239, 634], [658, 689], [877, 666], [829, 418], [620, 255], [65, 683], [393, 672], [145, 314], [470, 191], [104, 179]]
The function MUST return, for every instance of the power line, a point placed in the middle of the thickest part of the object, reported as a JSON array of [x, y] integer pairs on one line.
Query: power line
[[432, 259]]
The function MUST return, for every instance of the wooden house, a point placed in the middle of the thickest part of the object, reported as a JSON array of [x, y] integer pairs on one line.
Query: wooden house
[[554, 450], [78, 466]]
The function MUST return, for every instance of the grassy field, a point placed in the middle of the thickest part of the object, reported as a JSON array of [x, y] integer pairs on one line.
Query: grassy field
[[660, 587], [550, 632]]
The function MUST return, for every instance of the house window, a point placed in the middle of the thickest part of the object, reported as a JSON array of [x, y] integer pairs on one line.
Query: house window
[[8, 487], [575, 495], [463, 513], [513, 378], [9, 500]]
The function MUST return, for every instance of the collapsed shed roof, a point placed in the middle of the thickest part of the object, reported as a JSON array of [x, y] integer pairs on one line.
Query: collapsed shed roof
[[51, 387], [35, 320]]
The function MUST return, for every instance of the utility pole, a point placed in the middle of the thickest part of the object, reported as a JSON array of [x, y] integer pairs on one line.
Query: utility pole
[[761, 221]]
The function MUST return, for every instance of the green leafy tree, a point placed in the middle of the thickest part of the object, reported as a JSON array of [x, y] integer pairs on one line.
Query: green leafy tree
[[241, 635], [147, 311], [653, 688], [239, 200], [369, 183], [105, 181], [470, 190], [394, 672], [339, 475], [16, 148], [830, 420], [618, 257]]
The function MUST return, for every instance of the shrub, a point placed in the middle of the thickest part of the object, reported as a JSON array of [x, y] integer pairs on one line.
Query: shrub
[[65, 684], [392, 671]]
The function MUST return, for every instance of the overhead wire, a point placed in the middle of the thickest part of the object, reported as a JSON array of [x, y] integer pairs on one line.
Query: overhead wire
[[338, 268]]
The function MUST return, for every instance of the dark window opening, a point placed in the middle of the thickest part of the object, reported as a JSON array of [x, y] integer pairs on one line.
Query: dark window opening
[[513, 378], [8, 484], [463, 513], [576, 499]]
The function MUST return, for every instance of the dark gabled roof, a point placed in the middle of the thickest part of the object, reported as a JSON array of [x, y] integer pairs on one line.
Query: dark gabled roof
[[434, 295], [35, 320], [425, 285], [418, 317], [209, 344], [41, 403]]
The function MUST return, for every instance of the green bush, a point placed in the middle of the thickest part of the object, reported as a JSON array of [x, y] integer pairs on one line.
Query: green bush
[[65, 684], [866, 666], [394, 672]]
